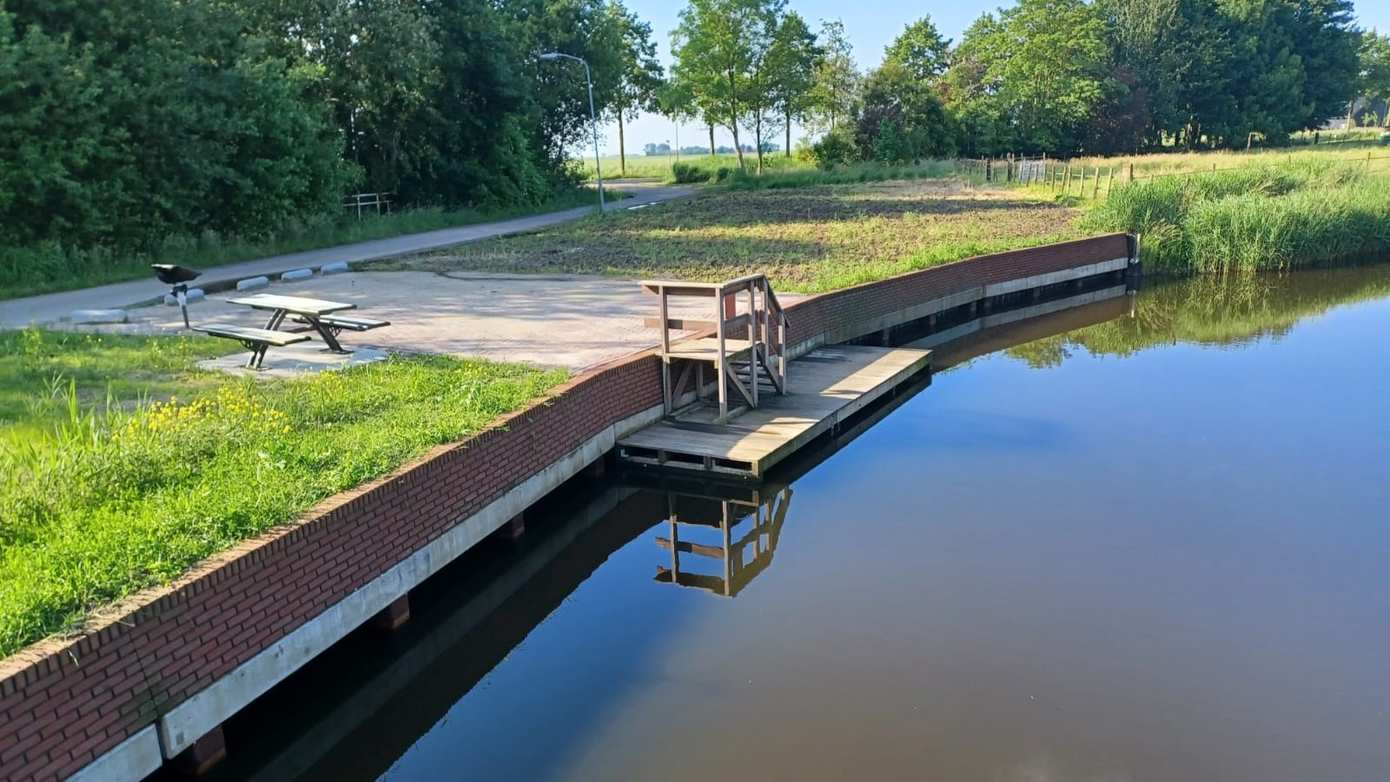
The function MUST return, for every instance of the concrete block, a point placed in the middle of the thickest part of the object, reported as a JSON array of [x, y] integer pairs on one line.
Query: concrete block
[[296, 274], [252, 283], [194, 294], [98, 316], [337, 267]]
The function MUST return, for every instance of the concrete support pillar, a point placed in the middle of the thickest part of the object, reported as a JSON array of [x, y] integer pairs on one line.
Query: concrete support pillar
[[598, 469], [393, 616], [205, 753], [516, 527]]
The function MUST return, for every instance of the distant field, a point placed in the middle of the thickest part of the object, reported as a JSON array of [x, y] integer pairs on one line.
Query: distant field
[[809, 239], [1183, 162], [643, 167]]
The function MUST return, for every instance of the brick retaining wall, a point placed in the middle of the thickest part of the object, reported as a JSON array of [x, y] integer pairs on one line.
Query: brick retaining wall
[[66, 702]]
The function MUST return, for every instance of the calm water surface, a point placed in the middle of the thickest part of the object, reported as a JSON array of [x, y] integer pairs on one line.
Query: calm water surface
[[1142, 542]]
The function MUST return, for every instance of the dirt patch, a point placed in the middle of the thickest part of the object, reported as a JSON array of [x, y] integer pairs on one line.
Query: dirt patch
[[808, 239]]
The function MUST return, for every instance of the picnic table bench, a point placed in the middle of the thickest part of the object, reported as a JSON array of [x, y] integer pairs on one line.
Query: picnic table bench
[[315, 315]]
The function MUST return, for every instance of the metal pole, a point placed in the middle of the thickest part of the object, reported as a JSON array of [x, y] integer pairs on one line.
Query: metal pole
[[593, 120]]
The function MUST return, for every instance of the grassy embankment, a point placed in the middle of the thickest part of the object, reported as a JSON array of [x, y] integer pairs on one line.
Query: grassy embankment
[[110, 483], [33, 270], [813, 238], [1257, 218]]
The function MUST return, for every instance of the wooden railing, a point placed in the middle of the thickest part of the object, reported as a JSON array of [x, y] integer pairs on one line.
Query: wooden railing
[[748, 333]]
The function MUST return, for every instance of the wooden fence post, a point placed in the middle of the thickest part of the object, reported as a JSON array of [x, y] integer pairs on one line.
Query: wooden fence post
[[1131, 170], [1066, 181], [1095, 191], [1109, 180]]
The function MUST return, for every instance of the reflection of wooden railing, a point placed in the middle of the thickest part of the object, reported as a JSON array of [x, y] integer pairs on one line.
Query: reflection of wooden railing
[[748, 342], [741, 558]]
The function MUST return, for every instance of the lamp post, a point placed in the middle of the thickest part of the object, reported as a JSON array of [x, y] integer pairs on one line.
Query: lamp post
[[593, 118]]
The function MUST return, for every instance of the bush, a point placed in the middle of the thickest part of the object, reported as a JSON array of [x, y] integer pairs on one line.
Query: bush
[[834, 149], [686, 174]]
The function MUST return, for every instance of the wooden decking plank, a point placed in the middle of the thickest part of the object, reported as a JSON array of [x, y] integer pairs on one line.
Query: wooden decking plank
[[830, 383]]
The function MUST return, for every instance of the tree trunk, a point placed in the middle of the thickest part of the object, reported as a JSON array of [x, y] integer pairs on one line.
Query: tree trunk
[[622, 154], [758, 140], [711, 139], [733, 125], [789, 134]]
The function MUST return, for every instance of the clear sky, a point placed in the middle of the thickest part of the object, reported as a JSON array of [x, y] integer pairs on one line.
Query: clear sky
[[870, 25]]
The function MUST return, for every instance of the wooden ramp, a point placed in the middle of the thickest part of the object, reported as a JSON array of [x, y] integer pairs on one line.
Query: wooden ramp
[[826, 386]]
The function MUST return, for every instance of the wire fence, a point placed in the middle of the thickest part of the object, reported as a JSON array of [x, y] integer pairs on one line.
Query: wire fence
[[1094, 181]]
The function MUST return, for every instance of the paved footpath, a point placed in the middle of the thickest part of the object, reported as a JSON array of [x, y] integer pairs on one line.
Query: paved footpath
[[17, 313]]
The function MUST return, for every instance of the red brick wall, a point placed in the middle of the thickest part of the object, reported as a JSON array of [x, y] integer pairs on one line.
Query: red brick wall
[[865, 303], [65, 702]]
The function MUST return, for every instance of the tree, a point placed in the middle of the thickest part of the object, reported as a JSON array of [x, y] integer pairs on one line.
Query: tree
[[793, 62], [123, 125], [837, 78], [1031, 79], [1374, 71], [719, 47], [920, 50], [902, 119], [1173, 54], [640, 77]]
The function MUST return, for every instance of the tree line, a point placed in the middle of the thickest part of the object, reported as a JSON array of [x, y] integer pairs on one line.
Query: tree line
[[1044, 76], [125, 123]]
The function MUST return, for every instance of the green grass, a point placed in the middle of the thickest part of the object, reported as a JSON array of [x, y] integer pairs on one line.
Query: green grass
[[27, 271], [808, 239], [1257, 218], [107, 488]]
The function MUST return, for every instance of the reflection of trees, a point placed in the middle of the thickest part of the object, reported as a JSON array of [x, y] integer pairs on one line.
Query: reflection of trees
[[1234, 310]]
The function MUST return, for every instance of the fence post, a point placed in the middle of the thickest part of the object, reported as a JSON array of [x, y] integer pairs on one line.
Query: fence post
[[1131, 170], [1066, 181], [1109, 180], [1095, 191]]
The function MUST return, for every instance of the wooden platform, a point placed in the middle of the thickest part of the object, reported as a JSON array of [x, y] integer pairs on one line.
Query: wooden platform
[[825, 387]]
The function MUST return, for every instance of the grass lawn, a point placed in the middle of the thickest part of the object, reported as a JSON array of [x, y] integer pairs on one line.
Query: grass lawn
[[808, 239], [122, 464], [30, 271]]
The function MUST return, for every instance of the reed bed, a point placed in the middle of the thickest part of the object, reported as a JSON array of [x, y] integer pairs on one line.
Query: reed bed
[[1259, 218]]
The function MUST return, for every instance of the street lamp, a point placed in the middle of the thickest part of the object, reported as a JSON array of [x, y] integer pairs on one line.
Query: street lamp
[[593, 118]]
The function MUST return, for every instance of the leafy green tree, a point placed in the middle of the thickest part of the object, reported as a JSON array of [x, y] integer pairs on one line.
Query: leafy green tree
[[794, 59], [1374, 71], [720, 47], [188, 125], [921, 50], [836, 90], [1171, 55], [640, 80], [902, 119], [1032, 78]]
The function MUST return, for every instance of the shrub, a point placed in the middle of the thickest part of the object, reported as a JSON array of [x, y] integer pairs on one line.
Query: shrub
[[686, 173], [834, 148]]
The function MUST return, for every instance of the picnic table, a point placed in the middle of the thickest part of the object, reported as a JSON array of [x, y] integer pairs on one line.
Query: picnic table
[[315, 315], [310, 312]]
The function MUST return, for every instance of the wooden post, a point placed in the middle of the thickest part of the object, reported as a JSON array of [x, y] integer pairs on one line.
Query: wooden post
[[1066, 180], [666, 355], [1109, 180], [1095, 190], [721, 367], [1131, 170]]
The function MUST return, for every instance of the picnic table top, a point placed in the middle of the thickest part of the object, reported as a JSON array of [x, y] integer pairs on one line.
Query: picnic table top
[[299, 305]]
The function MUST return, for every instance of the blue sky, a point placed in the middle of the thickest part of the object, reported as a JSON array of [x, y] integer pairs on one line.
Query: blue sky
[[870, 25]]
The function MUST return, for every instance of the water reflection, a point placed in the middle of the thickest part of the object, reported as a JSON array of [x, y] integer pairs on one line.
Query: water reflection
[[742, 550], [1160, 593]]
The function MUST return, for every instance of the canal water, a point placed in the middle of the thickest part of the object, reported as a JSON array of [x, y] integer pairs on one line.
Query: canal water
[[1137, 538]]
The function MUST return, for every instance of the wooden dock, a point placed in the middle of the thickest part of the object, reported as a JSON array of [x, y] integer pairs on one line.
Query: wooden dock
[[825, 387]]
